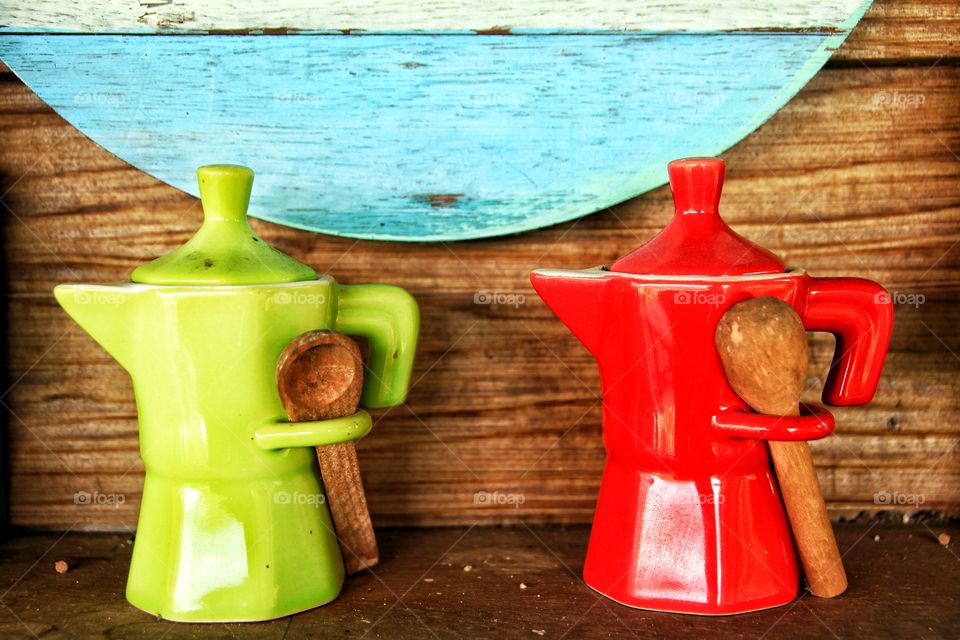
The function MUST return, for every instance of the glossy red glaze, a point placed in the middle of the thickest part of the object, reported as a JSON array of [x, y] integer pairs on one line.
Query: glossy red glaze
[[860, 314], [697, 241], [813, 423], [689, 516]]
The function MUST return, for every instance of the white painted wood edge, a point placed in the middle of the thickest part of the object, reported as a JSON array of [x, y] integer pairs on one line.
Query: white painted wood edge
[[427, 16]]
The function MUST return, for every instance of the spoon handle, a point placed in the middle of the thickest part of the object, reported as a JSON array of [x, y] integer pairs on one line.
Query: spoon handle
[[347, 500], [807, 512]]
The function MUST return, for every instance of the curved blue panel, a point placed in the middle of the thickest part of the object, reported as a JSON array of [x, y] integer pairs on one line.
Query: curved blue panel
[[442, 137]]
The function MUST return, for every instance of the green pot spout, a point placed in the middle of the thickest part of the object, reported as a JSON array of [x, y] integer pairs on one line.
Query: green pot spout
[[104, 312]]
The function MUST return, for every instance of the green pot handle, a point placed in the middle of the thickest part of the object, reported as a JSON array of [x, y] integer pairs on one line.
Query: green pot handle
[[388, 317], [286, 435]]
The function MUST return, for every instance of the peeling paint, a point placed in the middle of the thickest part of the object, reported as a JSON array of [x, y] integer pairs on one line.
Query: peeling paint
[[439, 200]]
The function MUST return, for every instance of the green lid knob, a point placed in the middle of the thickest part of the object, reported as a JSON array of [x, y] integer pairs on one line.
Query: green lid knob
[[225, 251], [225, 191]]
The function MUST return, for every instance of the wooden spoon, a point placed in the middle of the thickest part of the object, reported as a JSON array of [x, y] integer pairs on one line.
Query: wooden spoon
[[319, 377], [763, 346]]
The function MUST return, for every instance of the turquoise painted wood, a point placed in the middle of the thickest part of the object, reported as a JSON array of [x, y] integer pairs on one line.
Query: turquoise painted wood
[[421, 137]]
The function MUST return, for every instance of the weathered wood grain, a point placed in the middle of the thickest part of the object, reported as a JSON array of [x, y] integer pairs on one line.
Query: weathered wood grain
[[503, 422], [522, 583], [904, 31], [392, 16]]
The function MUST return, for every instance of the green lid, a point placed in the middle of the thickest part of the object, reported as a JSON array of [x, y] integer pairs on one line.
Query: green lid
[[225, 250]]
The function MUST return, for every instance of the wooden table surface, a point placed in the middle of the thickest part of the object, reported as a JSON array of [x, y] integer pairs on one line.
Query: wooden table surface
[[490, 582], [858, 175]]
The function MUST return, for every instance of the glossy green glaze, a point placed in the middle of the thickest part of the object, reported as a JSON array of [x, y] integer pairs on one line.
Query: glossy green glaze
[[233, 524], [225, 250]]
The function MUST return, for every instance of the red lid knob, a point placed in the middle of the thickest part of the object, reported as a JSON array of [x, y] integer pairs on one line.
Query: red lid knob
[[697, 241], [696, 184]]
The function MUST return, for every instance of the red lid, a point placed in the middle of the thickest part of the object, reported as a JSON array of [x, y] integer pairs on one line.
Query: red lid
[[697, 241]]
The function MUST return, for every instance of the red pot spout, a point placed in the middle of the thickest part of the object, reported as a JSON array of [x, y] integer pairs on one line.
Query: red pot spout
[[576, 297]]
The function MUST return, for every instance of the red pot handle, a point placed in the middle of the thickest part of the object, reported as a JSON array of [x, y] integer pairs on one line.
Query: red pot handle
[[813, 423], [860, 314]]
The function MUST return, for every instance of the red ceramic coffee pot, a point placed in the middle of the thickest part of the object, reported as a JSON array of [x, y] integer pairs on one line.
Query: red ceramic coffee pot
[[689, 516]]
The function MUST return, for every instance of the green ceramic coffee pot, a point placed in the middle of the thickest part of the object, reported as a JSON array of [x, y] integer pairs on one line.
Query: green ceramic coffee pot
[[233, 523]]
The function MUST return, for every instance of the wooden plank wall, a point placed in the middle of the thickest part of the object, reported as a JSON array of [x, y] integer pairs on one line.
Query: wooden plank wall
[[859, 175]]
